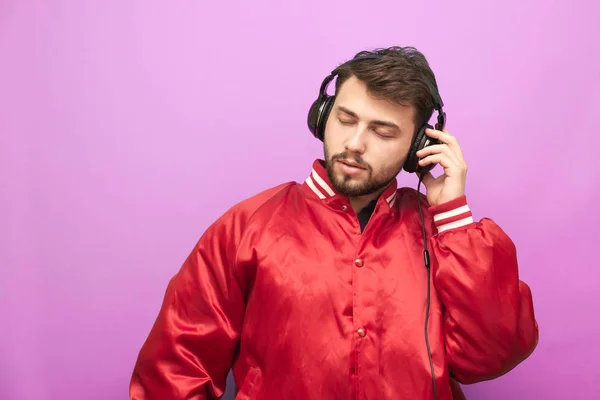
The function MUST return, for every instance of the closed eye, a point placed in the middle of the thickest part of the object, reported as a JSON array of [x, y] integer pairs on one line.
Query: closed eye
[[385, 135], [388, 129]]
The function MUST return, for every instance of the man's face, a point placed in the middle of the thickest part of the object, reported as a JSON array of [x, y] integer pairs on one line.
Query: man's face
[[366, 140]]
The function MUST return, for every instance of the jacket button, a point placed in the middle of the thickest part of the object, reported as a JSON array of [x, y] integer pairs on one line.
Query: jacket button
[[358, 262], [361, 332], [344, 208]]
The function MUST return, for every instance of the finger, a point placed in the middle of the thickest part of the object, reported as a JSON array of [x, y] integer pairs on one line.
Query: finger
[[445, 137], [435, 149], [426, 178], [439, 148], [446, 162]]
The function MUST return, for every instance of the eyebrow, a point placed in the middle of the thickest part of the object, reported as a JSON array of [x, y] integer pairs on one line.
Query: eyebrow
[[374, 122]]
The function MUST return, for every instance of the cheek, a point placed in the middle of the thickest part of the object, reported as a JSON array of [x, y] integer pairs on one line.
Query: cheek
[[330, 128], [333, 140], [388, 159], [394, 152]]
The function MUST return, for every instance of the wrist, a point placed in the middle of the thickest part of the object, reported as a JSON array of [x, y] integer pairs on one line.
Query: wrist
[[451, 214]]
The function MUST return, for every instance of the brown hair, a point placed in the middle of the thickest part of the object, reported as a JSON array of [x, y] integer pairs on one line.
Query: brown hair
[[399, 76]]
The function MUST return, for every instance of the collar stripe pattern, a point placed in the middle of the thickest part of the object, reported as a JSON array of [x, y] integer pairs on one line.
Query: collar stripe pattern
[[310, 181], [391, 199], [322, 183], [311, 185]]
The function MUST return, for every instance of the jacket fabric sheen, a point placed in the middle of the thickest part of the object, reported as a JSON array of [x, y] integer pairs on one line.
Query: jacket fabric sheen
[[285, 289]]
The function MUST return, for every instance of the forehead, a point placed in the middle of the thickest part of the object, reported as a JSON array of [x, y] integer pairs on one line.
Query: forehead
[[353, 96]]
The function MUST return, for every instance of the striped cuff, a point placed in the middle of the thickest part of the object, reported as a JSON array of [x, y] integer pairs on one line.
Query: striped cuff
[[452, 214]]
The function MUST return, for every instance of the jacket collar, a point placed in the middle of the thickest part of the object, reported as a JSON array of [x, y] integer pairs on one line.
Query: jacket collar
[[317, 185]]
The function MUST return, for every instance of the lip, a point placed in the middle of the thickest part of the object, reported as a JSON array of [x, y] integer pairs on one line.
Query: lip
[[350, 169], [351, 164]]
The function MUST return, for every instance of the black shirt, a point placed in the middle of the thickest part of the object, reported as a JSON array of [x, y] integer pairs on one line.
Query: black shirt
[[365, 214]]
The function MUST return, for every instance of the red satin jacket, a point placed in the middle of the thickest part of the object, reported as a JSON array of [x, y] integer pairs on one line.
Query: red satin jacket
[[285, 289]]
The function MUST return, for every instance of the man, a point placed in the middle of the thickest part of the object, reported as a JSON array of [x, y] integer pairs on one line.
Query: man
[[328, 289]]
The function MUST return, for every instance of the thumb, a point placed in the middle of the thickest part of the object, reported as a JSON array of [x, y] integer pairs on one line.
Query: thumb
[[426, 178]]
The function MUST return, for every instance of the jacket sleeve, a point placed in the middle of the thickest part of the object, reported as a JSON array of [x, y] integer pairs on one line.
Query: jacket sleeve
[[189, 350], [489, 322]]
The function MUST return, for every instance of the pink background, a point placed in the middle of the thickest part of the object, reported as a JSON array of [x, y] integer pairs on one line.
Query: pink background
[[126, 127]]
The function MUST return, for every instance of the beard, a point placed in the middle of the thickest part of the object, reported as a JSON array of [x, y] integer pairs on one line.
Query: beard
[[348, 185]]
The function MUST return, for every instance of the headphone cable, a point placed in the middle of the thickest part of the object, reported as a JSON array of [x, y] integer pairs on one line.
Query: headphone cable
[[427, 266]]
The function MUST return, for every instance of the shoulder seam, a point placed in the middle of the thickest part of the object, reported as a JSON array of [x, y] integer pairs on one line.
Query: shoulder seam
[[284, 186]]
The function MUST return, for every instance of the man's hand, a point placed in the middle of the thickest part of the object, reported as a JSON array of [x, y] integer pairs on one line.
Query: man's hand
[[451, 184]]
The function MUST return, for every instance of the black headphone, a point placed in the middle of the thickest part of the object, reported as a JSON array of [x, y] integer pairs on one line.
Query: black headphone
[[320, 109]]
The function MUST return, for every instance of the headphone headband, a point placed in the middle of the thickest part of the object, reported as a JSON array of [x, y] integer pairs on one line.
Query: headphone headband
[[438, 104]]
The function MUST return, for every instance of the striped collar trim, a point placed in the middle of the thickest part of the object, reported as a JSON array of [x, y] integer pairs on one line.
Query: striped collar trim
[[318, 184]]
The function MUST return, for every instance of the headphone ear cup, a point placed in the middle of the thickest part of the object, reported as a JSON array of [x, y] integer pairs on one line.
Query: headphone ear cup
[[313, 115], [420, 141], [318, 114], [325, 116]]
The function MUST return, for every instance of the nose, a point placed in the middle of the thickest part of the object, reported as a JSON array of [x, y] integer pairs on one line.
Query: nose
[[356, 142]]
